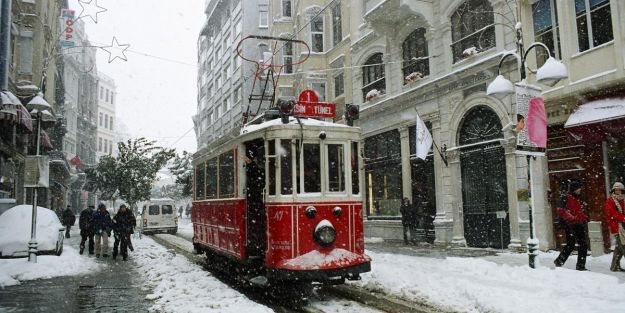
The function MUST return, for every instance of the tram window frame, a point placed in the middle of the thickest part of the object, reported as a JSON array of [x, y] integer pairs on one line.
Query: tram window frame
[[286, 167], [200, 175], [312, 165], [211, 178], [271, 167], [335, 173], [355, 168], [226, 175]]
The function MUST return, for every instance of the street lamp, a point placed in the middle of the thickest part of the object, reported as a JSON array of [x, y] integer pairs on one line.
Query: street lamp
[[42, 109], [549, 74]]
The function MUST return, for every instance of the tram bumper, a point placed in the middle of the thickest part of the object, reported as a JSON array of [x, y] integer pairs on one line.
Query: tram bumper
[[336, 264]]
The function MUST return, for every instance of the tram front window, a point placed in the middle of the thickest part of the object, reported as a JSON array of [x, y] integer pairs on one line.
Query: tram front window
[[312, 166]]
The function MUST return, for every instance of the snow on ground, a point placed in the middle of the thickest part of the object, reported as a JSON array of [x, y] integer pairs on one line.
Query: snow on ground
[[70, 263], [181, 286], [496, 284], [185, 227]]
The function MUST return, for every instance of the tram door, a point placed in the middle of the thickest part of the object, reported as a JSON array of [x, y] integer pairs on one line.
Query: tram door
[[254, 186]]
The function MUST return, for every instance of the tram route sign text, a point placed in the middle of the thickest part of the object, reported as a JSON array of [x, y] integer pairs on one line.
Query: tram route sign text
[[308, 105]]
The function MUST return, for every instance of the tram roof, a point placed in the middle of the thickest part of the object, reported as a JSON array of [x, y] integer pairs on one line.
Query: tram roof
[[292, 121]]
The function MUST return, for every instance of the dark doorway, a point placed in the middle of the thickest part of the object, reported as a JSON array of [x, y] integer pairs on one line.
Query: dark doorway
[[484, 185], [254, 162]]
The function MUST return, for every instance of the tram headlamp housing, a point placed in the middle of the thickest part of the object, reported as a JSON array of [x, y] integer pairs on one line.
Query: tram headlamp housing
[[285, 107], [324, 234], [311, 212], [322, 135], [337, 211]]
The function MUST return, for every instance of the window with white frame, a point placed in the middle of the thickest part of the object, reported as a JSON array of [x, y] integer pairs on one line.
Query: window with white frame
[[472, 28], [238, 28], [337, 29], [226, 71], [316, 33], [100, 144], [26, 52], [594, 23], [218, 81], [236, 95], [106, 121], [217, 111], [236, 63], [111, 122], [373, 77], [286, 8], [101, 119], [415, 53], [217, 53], [339, 80], [546, 29], [320, 89], [110, 146], [226, 41], [225, 106], [287, 57], [209, 91], [263, 13], [263, 51]]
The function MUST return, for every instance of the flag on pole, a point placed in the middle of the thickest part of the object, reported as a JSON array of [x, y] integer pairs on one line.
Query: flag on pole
[[424, 139]]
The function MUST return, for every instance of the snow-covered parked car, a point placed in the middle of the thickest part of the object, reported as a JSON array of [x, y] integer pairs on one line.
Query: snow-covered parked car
[[15, 227]]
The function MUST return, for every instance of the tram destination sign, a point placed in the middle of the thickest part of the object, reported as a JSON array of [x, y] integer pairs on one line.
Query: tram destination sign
[[308, 105]]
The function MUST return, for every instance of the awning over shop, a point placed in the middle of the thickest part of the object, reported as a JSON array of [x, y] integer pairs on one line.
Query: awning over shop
[[595, 120], [24, 118], [45, 140]]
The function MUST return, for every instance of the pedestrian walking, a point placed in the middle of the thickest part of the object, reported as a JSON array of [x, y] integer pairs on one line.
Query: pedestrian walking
[[68, 220], [85, 222], [406, 211], [187, 211], [615, 218], [573, 220], [180, 210], [123, 225], [102, 226]]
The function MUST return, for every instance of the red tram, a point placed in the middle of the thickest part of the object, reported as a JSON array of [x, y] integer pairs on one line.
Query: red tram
[[283, 201]]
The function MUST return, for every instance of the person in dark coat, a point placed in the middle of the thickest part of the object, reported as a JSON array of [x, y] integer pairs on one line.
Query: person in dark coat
[[407, 212], [615, 218], [123, 226], [573, 219], [85, 222], [68, 220], [102, 226]]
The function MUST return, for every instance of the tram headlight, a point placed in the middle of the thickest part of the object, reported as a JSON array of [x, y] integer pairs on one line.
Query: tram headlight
[[324, 234], [337, 211], [311, 212]]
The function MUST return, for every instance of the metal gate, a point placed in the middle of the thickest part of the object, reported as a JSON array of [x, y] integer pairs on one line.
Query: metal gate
[[484, 182]]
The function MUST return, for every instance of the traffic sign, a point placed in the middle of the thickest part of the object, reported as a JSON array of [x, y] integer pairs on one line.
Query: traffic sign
[[309, 96]]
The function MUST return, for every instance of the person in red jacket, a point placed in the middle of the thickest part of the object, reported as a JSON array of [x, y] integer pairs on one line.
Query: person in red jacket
[[615, 218], [573, 220]]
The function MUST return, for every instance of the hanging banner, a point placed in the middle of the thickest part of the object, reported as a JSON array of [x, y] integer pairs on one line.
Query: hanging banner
[[67, 28], [424, 139], [530, 113]]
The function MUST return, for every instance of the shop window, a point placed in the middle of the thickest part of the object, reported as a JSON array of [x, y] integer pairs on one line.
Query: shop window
[[383, 184]]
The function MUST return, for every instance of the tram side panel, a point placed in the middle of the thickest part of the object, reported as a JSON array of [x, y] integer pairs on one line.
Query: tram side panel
[[220, 226]]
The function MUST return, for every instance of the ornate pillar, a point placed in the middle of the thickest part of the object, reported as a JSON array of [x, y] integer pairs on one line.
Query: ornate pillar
[[406, 173], [455, 170]]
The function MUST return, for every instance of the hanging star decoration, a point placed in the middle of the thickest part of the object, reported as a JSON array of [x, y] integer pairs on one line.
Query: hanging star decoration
[[90, 9], [116, 50]]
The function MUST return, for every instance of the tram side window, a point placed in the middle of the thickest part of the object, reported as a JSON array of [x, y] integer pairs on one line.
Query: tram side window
[[336, 168], [312, 168], [199, 182], [355, 168], [226, 175], [271, 147], [286, 169], [211, 179]]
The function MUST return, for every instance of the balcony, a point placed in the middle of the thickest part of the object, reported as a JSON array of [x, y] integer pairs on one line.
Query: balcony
[[397, 11]]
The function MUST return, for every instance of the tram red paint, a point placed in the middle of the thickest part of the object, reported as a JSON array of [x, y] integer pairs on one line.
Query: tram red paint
[[220, 225]]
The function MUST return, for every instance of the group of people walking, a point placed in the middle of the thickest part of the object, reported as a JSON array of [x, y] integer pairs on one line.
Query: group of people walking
[[573, 219], [96, 226]]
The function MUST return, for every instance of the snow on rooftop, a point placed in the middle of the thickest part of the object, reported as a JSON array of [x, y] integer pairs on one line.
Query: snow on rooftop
[[596, 111]]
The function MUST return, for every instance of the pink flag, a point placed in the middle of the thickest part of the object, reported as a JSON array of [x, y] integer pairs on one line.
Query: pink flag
[[537, 122]]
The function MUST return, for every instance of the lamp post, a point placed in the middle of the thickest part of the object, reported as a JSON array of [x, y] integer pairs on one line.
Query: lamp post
[[549, 74], [41, 108]]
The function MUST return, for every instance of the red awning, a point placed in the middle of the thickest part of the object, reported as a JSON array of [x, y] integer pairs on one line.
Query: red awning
[[593, 121], [24, 118], [45, 140]]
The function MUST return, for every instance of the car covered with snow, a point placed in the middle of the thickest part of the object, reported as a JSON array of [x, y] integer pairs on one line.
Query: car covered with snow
[[15, 231]]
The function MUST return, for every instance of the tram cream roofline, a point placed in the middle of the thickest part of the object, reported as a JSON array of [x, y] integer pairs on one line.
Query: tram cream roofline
[[273, 129]]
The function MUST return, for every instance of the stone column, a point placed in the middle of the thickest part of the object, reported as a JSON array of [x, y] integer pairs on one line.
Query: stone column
[[455, 171], [406, 173], [509, 145], [543, 225]]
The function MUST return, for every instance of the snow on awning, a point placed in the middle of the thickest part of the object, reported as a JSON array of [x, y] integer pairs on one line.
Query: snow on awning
[[593, 121]]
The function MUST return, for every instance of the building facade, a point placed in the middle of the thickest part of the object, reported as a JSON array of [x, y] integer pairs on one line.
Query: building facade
[[224, 80], [107, 144]]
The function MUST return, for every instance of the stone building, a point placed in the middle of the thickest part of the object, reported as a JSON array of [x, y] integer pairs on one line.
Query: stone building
[[106, 117]]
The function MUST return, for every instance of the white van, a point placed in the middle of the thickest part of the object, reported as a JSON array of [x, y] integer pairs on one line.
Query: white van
[[159, 216]]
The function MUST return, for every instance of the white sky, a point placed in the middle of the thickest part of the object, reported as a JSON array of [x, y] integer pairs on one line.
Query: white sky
[[156, 86]]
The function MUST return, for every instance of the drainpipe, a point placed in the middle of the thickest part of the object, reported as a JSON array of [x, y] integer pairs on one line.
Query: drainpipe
[[5, 43]]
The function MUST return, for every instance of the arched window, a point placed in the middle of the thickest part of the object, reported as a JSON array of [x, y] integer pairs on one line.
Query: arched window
[[415, 51], [472, 25], [373, 75]]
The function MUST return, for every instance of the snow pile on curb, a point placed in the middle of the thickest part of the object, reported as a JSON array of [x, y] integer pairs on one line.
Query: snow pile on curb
[[70, 263], [482, 285], [181, 286]]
